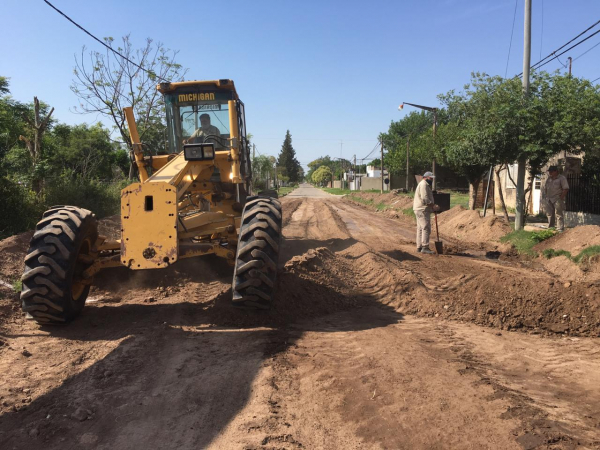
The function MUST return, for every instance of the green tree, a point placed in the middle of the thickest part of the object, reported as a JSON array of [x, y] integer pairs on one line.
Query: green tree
[[417, 126], [287, 159], [108, 83], [322, 176]]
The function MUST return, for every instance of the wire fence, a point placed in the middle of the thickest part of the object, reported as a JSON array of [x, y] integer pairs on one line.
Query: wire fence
[[584, 194]]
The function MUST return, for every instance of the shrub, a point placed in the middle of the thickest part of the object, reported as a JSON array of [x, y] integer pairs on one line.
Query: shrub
[[102, 198], [19, 210], [539, 236]]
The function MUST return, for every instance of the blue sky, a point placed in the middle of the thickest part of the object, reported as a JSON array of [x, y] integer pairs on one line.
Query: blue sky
[[329, 71]]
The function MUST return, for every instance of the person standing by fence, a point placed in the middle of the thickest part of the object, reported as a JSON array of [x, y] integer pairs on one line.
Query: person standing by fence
[[555, 191]]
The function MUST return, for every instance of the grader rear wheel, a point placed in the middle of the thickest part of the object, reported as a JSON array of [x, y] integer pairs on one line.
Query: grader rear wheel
[[54, 290], [257, 253]]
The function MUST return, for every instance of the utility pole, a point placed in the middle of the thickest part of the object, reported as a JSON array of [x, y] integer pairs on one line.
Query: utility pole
[[253, 151], [522, 161], [382, 165], [407, 162], [570, 64], [434, 111]]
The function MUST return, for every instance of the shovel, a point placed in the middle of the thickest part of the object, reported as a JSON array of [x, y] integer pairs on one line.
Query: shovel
[[439, 245]]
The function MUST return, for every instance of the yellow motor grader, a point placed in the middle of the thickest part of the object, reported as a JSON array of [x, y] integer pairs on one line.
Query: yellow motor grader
[[192, 200]]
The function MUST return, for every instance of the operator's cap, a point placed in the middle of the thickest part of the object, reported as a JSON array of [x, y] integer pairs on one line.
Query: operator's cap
[[552, 169], [428, 174]]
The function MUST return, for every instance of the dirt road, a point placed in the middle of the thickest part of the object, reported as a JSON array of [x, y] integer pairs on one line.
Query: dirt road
[[370, 345]]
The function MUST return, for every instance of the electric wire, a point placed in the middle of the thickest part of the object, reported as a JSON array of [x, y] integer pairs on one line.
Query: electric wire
[[593, 81], [591, 48], [570, 48], [511, 38], [538, 64], [374, 148], [103, 43]]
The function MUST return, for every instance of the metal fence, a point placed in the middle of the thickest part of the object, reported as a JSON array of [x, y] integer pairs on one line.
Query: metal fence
[[584, 194]]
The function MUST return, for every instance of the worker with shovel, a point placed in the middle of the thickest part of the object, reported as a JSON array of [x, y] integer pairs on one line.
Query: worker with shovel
[[423, 206]]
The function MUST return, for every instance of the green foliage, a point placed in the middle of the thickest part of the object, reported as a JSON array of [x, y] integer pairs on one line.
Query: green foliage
[[17, 285], [583, 256], [337, 166], [262, 171], [322, 176], [459, 198], [285, 190], [80, 166], [524, 241], [19, 210], [539, 236], [551, 253], [521, 240], [103, 198], [287, 162], [417, 125]]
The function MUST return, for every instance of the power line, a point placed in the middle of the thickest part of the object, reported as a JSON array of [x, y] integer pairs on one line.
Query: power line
[[103, 43], [539, 64], [374, 148], [570, 48], [511, 37], [596, 80], [591, 48]]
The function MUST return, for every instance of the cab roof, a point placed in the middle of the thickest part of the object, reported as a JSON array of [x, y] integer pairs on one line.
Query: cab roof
[[226, 85]]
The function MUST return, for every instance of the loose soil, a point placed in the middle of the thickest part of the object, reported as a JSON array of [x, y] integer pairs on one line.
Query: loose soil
[[460, 228], [369, 345], [573, 240]]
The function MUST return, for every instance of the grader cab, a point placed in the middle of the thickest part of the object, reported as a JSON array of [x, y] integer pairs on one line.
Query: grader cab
[[195, 199]]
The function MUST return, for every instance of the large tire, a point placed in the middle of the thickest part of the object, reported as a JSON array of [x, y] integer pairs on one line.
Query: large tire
[[257, 253], [60, 250]]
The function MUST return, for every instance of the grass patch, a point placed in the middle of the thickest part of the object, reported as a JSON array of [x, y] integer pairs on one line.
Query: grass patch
[[524, 241], [409, 212], [17, 285], [583, 256], [459, 199], [364, 201], [587, 253], [381, 206], [337, 191], [285, 190], [551, 253]]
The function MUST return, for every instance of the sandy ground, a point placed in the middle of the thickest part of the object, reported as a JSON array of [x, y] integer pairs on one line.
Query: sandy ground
[[369, 346]]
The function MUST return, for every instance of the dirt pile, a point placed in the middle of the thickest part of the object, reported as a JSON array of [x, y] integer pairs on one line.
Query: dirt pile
[[464, 227], [468, 226], [12, 252], [392, 202], [573, 240]]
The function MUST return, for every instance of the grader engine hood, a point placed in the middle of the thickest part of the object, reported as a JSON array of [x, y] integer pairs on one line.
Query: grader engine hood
[[149, 225]]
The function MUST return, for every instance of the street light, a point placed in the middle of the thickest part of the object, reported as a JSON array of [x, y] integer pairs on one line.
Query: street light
[[434, 111]]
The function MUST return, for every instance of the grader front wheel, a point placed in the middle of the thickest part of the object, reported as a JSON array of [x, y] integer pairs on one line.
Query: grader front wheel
[[257, 253], [54, 290]]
